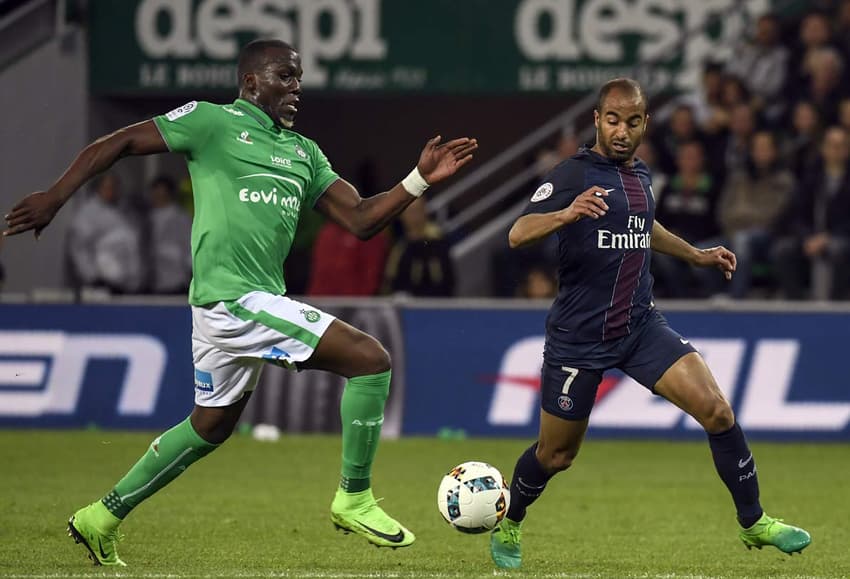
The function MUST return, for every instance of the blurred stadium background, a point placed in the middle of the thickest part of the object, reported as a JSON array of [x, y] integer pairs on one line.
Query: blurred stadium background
[[749, 146]]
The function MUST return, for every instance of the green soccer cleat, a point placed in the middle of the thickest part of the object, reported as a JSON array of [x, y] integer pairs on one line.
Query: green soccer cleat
[[97, 529], [359, 513], [505, 544], [770, 531]]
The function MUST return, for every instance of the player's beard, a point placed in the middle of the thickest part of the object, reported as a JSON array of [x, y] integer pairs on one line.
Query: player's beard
[[618, 156]]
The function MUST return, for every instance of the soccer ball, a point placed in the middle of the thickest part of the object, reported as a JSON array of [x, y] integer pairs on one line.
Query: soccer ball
[[473, 497]]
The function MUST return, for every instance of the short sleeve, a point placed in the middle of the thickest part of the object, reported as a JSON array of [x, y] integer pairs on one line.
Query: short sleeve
[[187, 128], [558, 189], [323, 175]]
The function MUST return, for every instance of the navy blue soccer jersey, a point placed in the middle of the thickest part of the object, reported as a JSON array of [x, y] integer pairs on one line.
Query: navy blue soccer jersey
[[605, 287]]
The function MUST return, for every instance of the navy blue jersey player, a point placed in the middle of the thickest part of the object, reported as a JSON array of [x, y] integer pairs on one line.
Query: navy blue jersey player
[[600, 205]]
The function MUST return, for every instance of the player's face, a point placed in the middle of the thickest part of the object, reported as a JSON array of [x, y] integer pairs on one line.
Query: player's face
[[278, 86], [620, 125]]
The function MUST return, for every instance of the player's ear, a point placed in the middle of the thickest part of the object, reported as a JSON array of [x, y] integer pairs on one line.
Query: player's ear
[[249, 83], [596, 118]]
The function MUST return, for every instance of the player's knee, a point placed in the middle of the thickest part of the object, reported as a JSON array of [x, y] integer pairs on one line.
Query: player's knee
[[372, 357], [212, 431], [556, 460], [719, 417]]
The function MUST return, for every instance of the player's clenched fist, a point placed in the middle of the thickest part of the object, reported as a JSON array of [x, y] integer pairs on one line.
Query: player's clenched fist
[[590, 203]]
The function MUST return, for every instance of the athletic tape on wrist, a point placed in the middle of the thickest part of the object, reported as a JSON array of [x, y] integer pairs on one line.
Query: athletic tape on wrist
[[414, 183]]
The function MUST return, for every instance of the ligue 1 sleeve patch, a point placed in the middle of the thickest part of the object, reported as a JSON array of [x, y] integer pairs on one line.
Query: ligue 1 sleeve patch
[[181, 111], [543, 192]]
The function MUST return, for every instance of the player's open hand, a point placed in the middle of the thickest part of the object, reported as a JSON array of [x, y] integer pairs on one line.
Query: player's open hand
[[590, 203], [441, 160], [718, 257], [33, 212]]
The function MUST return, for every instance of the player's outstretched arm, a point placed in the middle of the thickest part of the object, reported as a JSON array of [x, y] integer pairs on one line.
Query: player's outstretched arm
[[342, 203], [36, 211], [533, 227], [665, 242]]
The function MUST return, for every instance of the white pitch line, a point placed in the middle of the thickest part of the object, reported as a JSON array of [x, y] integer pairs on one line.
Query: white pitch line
[[389, 575]]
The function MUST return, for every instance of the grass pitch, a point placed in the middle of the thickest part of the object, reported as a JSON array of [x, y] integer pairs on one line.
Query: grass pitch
[[254, 509]]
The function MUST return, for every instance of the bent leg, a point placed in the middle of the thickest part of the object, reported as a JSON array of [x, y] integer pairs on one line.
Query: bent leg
[[689, 385], [347, 351]]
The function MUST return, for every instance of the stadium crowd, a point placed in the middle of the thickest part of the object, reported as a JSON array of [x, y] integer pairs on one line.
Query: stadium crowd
[[757, 159]]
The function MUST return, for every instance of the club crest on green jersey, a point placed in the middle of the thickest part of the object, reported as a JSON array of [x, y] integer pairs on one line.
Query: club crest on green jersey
[[311, 316], [300, 152]]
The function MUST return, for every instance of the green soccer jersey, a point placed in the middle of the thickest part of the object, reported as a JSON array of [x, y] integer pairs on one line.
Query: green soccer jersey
[[250, 180]]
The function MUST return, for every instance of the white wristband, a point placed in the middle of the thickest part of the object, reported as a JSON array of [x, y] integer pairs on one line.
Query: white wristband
[[414, 183]]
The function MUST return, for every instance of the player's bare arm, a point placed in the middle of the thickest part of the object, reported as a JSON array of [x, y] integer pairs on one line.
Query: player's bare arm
[[36, 211], [364, 218], [663, 241], [533, 227]]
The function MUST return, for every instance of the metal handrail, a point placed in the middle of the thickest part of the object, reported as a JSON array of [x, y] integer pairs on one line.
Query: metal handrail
[[439, 205], [21, 12], [501, 192]]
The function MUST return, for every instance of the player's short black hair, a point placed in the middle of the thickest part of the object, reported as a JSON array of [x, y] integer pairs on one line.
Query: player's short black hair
[[252, 57], [624, 84]]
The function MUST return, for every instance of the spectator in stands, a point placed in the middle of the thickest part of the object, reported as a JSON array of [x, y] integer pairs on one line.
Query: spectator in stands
[[419, 263], [815, 33], [733, 148], [103, 245], [680, 128], [550, 157], [803, 140], [751, 203], [343, 265], [844, 113], [761, 64], [539, 283], [687, 207], [823, 83], [842, 29], [733, 92], [170, 240], [340, 263], [817, 226], [706, 103], [646, 153]]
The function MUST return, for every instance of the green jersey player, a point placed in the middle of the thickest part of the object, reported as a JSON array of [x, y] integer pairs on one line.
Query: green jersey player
[[252, 176]]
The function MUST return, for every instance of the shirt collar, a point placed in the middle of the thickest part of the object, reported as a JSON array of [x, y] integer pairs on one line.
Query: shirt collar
[[257, 113]]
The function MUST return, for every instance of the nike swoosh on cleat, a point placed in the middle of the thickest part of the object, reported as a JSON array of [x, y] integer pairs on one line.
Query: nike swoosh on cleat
[[100, 548], [397, 538], [742, 463]]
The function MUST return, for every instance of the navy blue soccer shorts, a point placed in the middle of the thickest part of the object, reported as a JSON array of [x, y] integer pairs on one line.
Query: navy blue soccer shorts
[[572, 372]]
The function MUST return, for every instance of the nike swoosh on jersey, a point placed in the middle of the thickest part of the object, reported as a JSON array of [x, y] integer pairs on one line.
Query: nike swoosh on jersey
[[742, 463], [397, 538], [683, 340]]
